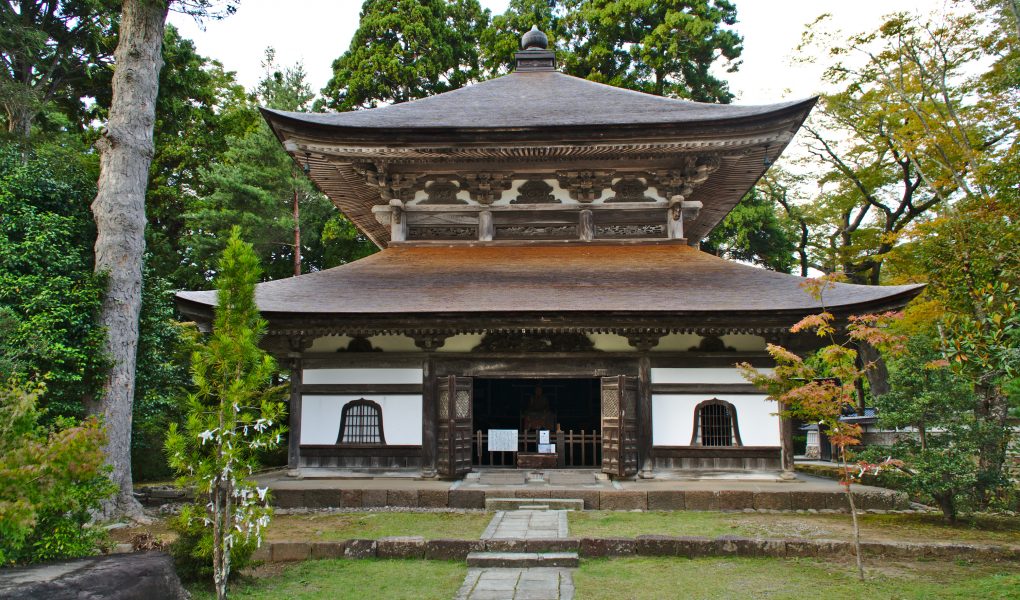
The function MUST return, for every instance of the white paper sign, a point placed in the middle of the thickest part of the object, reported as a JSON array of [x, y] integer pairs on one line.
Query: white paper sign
[[502, 440], [543, 436], [547, 448]]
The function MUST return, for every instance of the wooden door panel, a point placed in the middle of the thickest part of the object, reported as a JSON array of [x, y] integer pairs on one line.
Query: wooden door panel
[[455, 399], [619, 426]]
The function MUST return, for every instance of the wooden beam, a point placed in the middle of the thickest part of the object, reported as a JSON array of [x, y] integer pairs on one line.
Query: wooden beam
[[705, 388], [358, 389]]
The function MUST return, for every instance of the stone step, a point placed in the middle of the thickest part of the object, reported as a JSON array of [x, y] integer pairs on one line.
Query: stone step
[[529, 503], [522, 560]]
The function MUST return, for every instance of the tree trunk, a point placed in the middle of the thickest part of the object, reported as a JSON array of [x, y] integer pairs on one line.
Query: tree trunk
[[125, 153], [19, 122], [877, 373]]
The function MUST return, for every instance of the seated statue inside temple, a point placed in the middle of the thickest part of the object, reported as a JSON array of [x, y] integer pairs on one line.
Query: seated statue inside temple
[[538, 414]]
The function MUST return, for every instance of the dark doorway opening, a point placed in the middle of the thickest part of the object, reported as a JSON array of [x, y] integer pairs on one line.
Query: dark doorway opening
[[568, 408]]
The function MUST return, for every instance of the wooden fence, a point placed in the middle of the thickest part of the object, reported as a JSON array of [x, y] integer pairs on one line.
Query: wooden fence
[[573, 449]]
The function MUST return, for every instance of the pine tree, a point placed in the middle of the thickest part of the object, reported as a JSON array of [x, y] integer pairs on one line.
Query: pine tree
[[234, 414]]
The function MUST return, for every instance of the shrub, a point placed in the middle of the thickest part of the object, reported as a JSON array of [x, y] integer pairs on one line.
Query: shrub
[[50, 481]]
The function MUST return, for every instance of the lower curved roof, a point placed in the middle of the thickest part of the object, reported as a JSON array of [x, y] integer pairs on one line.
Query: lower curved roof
[[667, 278]]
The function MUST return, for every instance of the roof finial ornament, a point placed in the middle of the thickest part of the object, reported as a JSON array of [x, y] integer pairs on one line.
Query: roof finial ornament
[[535, 54], [534, 39]]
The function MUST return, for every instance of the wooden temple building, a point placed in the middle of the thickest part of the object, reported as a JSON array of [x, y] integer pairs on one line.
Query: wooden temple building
[[539, 298]]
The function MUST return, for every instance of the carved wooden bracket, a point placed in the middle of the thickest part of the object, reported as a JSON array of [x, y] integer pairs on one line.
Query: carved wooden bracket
[[535, 191], [486, 188], [429, 342], [442, 191], [392, 186], [681, 181], [630, 189], [643, 342], [585, 186]]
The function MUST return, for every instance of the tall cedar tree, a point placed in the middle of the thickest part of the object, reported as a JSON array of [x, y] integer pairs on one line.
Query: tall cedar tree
[[660, 47], [125, 155], [407, 49]]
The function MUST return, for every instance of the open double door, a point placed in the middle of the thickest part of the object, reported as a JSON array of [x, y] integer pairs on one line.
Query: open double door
[[455, 399]]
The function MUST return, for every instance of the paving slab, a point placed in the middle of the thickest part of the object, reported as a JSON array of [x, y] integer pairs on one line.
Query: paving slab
[[540, 583]]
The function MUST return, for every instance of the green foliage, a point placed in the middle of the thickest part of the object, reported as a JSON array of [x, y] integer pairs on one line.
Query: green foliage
[[50, 480], [913, 132], [193, 548], [754, 232], [233, 414], [162, 374], [667, 48], [199, 106], [55, 54], [49, 296], [253, 184], [407, 49], [502, 38]]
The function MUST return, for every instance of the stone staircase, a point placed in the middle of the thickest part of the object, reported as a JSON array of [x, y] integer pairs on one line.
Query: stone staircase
[[516, 575]]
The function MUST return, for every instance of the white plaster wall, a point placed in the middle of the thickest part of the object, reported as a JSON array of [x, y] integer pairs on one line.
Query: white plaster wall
[[394, 343], [330, 343], [386, 343], [320, 418], [362, 376], [705, 375], [462, 342], [610, 342], [677, 342], [560, 194], [743, 342], [673, 418]]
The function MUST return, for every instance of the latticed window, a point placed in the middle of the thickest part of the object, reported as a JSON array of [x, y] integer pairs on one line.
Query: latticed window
[[715, 424], [361, 423]]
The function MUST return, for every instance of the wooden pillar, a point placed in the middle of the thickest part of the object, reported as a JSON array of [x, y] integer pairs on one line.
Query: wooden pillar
[[398, 221], [429, 426], [294, 413], [786, 444], [586, 226], [645, 417], [485, 226], [674, 222]]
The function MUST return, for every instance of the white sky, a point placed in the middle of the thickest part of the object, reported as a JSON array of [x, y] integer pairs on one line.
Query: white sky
[[316, 32]]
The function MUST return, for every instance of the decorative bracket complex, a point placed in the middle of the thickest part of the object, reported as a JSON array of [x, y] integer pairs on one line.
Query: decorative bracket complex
[[391, 186], [585, 186], [429, 342], [486, 188], [644, 341]]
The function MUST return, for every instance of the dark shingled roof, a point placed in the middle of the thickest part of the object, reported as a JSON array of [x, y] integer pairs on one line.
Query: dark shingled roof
[[659, 278], [537, 99]]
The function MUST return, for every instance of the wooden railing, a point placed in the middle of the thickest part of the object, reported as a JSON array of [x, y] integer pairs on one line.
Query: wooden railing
[[573, 449]]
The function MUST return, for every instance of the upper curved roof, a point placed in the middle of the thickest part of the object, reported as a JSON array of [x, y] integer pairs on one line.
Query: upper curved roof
[[667, 279], [538, 99]]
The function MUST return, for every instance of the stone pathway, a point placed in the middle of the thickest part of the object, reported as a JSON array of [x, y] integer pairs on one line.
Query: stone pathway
[[520, 583], [527, 525], [538, 583]]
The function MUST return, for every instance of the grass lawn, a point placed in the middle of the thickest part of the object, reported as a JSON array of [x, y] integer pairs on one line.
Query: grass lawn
[[660, 578], [348, 580], [912, 528], [374, 525]]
